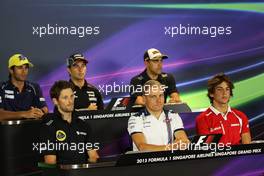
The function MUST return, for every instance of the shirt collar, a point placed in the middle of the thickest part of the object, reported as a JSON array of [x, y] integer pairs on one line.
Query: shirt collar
[[145, 75], [162, 116], [84, 86], [147, 113], [218, 112], [59, 115], [9, 82]]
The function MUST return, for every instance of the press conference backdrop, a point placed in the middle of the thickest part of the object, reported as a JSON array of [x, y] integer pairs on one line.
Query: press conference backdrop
[[201, 38]]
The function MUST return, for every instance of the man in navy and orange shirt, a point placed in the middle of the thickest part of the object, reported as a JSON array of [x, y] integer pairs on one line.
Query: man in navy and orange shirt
[[220, 118]]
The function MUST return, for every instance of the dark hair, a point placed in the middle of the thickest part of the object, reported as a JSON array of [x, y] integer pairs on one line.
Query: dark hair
[[58, 86], [215, 81], [146, 56], [9, 74]]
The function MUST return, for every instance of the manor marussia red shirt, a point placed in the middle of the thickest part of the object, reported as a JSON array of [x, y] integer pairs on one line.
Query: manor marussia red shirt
[[231, 125]]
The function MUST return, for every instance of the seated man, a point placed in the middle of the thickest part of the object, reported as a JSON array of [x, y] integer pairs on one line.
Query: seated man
[[153, 60], [20, 98], [71, 135], [154, 129], [220, 118], [86, 95]]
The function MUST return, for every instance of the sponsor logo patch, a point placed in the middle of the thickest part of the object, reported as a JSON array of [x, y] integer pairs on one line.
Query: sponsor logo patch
[[60, 135]]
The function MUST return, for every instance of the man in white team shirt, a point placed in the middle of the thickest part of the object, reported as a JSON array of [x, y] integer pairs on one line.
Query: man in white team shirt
[[155, 129]]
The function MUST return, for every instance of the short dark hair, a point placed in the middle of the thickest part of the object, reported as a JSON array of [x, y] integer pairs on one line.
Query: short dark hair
[[58, 86], [215, 81], [9, 74], [146, 56]]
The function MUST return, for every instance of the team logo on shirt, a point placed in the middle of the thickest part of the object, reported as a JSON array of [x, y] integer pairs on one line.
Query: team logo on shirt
[[164, 75], [215, 129], [9, 94], [75, 96], [60, 135], [42, 99], [90, 93], [140, 78], [81, 133]]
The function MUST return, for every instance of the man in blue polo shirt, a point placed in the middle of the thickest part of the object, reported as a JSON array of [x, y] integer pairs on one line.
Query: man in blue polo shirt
[[20, 98]]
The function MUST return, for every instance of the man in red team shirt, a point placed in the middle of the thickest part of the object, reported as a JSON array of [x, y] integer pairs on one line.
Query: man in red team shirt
[[220, 118]]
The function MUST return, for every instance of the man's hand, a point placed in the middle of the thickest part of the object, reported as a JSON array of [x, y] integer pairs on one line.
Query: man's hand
[[35, 113], [93, 156], [182, 144], [139, 101], [92, 106]]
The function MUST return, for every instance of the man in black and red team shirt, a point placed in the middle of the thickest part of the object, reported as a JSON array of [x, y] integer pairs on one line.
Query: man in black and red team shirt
[[220, 118], [86, 95], [20, 98], [153, 60]]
